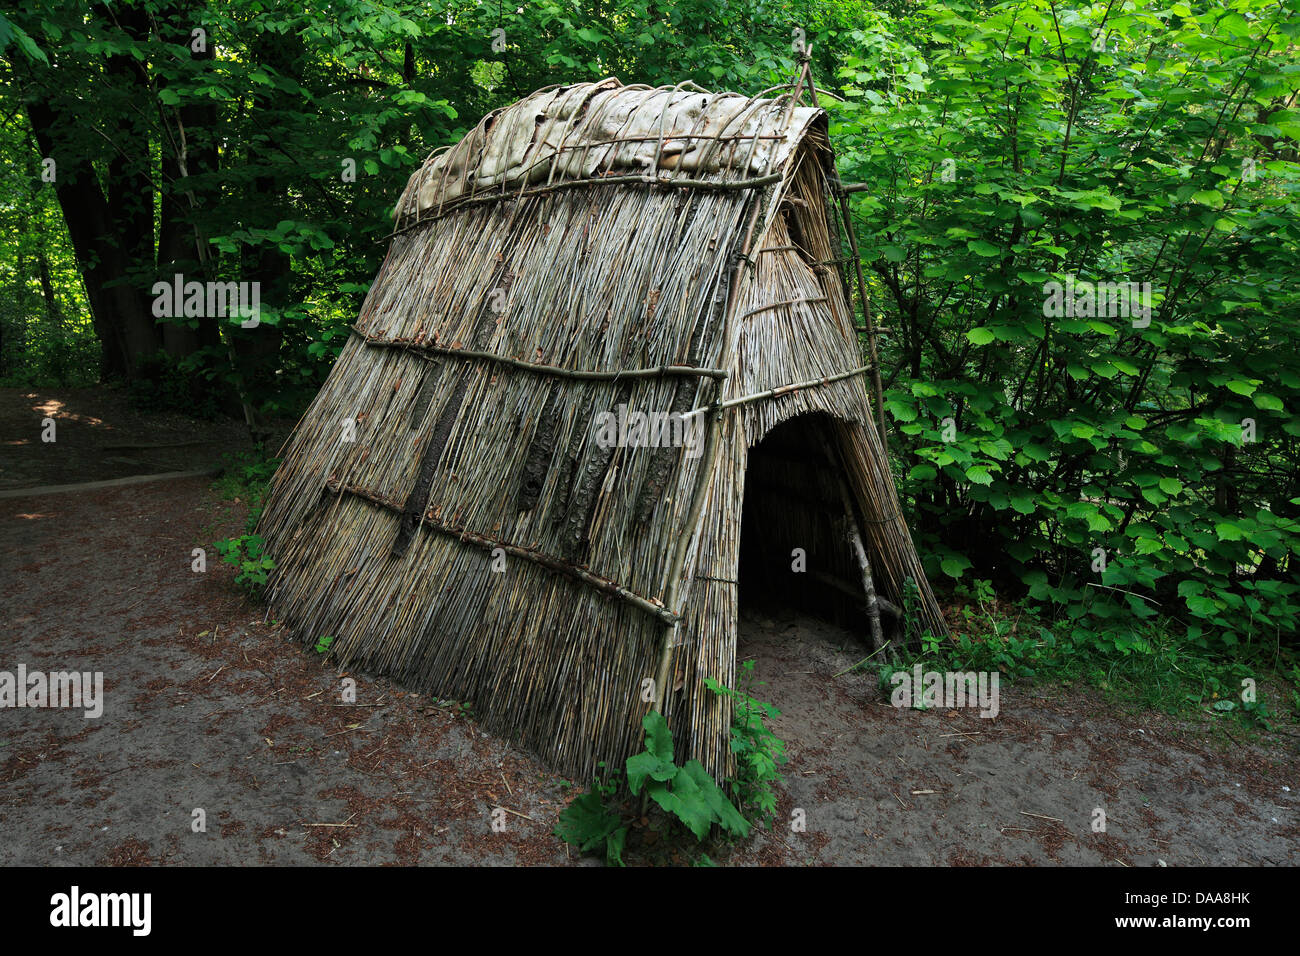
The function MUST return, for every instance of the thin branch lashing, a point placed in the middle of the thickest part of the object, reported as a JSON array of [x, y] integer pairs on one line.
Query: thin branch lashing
[[548, 561], [779, 391], [654, 371], [783, 303], [662, 182]]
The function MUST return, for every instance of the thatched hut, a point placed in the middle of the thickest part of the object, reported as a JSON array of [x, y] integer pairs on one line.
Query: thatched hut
[[472, 506]]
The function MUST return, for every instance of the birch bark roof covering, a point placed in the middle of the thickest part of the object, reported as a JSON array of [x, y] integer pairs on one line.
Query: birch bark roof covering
[[446, 509], [605, 128]]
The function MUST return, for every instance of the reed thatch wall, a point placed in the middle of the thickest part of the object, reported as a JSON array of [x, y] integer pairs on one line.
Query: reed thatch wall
[[445, 508]]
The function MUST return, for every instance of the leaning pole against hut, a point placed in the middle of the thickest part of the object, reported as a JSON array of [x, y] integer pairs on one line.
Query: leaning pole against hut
[[450, 508]]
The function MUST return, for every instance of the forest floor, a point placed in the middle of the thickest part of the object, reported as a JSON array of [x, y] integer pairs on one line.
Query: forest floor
[[99, 436], [211, 716]]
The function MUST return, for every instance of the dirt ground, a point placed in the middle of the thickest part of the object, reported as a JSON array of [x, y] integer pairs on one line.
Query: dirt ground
[[98, 436], [212, 717], [947, 787]]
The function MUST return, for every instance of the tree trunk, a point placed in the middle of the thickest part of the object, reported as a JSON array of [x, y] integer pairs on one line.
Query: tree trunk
[[112, 235], [189, 160]]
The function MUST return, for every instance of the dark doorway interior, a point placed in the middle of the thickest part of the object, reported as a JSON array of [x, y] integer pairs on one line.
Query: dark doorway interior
[[793, 550]]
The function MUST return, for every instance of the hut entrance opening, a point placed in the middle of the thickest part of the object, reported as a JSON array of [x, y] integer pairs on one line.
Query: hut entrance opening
[[794, 548]]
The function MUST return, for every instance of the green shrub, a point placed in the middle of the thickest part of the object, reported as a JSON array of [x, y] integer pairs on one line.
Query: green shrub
[[247, 477], [759, 752], [686, 793], [245, 554]]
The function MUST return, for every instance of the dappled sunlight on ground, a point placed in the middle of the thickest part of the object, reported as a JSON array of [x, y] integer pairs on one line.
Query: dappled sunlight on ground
[[54, 408], [99, 435]]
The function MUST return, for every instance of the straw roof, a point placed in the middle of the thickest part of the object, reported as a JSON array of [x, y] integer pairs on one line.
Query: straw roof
[[447, 508]]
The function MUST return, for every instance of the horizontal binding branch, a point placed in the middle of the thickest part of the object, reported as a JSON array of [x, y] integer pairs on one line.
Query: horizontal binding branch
[[657, 371], [604, 585], [784, 302], [664, 182], [779, 391], [667, 138]]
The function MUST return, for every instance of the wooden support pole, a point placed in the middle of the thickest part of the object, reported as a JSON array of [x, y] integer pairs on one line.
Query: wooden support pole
[[873, 609], [859, 554], [715, 420]]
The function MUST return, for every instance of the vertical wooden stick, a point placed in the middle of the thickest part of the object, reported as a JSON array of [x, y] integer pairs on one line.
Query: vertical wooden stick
[[873, 609], [859, 552]]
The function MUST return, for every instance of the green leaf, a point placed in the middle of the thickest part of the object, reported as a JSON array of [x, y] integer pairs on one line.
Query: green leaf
[[901, 411], [686, 803], [1036, 452], [1024, 502], [1154, 496], [586, 822], [656, 762], [954, 565], [722, 809], [614, 844], [1227, 531], [658, 738], [643, 765], [25, 42], [980, 336]]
